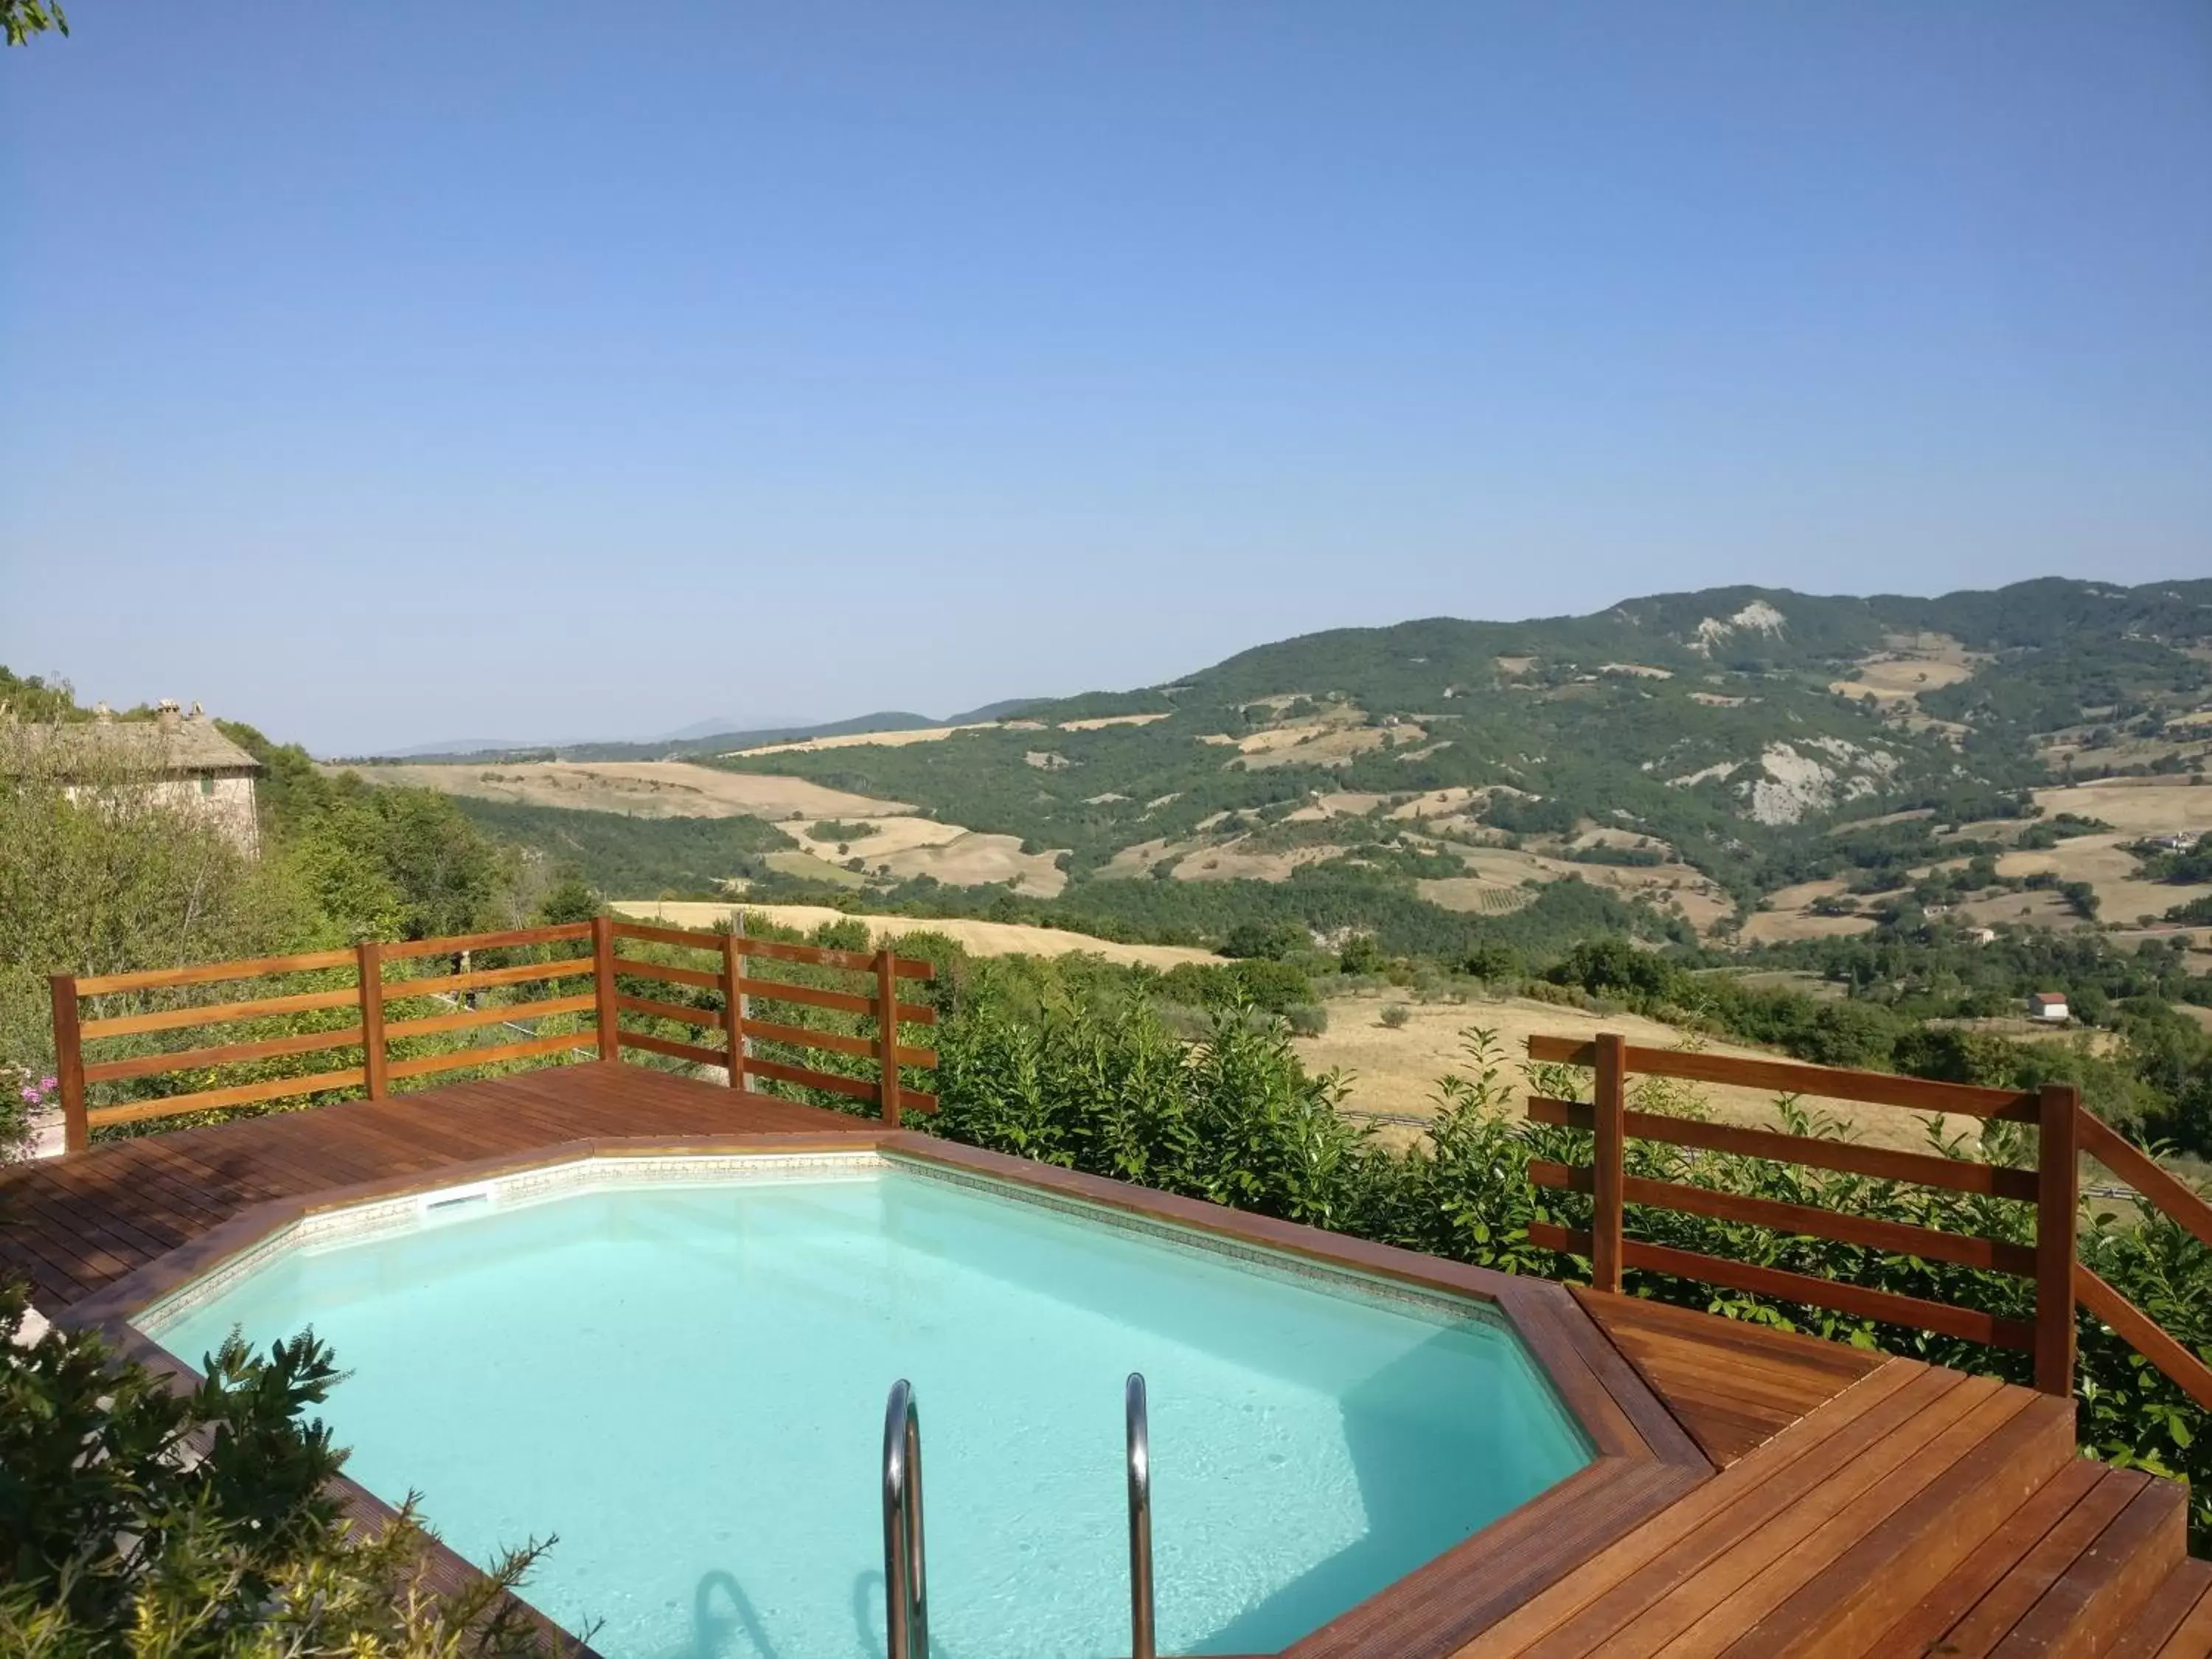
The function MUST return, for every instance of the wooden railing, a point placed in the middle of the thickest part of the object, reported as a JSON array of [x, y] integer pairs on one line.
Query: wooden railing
[[2064, 1130], [355, 987]]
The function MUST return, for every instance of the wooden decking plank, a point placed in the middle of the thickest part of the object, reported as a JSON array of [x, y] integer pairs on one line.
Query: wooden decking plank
[[81, 1229], [1732, 1385], [1888, 1569], [1701, 1598], [2107, 1582], [1661, 1431], [1955, 1596], [1638, 1313], [1750, 1495], [2192, 1637], [1432, 1611], [1573, 1598], [2183, 1587], [1991, 1618], [1603, 1414]]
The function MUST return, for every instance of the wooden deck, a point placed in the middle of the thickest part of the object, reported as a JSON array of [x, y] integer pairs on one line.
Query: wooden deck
[[74, 1225], [1792, 1497]]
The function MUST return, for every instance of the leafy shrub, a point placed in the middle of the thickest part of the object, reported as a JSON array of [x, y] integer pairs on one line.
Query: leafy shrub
[[1306, 1020], [200, 1524], [1360, 955], [1271, 940], [1396, 1014], [1235, 1119]]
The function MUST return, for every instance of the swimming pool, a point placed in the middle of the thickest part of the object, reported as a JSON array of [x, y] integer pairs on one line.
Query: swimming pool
[[679, 1365]]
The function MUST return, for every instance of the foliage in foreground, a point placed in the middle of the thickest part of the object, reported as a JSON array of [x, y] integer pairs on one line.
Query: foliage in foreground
[[1102, 1086], [199, 1525]]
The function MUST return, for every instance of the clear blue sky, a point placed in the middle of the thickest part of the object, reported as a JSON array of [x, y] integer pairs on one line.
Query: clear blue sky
[[390, 372]]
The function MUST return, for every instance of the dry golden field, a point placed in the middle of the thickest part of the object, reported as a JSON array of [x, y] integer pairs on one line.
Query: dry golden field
[[655, 789], [865, 739], [984, 938], [1396, 1072]]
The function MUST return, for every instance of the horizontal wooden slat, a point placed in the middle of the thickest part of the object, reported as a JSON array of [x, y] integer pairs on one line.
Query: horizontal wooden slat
[[424, 1065], [193, 1060], [2136, 1328], [681, 1012], [483, 978], [775, 990], [207, 1100], [858, 1088], [1956, 1175], [2134, 1166], [1896, 1238], [820, 956], [695, 938], [251, 968], [1550, 1236], [700, 977], [913, 1100], [455, 944], [803, 1036], [857, 962], [1792, 1077], [217, 1013], [499, 1016], [1857, 1300], [675, 1050]]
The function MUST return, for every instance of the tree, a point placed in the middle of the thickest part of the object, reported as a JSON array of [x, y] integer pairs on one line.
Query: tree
[[569, 899], [1263, 940], [23, 18], [1360, 955], [101, 873]]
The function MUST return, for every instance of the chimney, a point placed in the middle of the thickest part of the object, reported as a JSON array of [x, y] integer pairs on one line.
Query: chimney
[[101, 711], [165, 714]]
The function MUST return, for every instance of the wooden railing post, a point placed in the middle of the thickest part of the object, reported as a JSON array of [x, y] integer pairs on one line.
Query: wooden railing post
[[733, 1006], [2058, 1209], [887, 1032], [603, 986], [1608, 1161], [69, 1063], [369, 962]]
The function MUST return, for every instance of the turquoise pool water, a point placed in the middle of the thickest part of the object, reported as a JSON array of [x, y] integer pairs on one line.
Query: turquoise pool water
[[686, 1382]]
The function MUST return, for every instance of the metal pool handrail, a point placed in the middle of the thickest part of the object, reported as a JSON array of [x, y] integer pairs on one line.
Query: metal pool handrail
[[1140, 1520], [906, 1592]]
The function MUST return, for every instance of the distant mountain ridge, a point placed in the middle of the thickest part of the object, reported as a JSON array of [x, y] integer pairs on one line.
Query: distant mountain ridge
[[1664, 765], [1703, 724]]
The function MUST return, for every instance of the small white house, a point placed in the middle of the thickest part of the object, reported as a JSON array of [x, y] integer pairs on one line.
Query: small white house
[[177, 760], [2049, 1008]]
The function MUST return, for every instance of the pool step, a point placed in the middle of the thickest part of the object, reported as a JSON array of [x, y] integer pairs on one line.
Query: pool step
[[2162, 1628]]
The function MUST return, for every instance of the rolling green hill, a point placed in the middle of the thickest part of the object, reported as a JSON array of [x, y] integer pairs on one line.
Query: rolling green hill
[[1681, 754]]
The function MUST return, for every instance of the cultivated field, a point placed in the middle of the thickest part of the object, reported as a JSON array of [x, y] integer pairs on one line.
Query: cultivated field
[[984, 938], [1396, 1072], [2136, 806], [2136, 809], [1102, 721], [915, 847], [1789, 920], [864, 740], [651, 789]]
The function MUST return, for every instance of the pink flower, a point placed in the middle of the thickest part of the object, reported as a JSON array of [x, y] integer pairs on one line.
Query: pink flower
[[48, 1083], [30, 1094]]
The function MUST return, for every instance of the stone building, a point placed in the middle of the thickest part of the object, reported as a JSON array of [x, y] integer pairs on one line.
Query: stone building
[[177, 759]]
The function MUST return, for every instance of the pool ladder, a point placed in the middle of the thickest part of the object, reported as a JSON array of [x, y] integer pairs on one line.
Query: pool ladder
[[906, 1579]]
